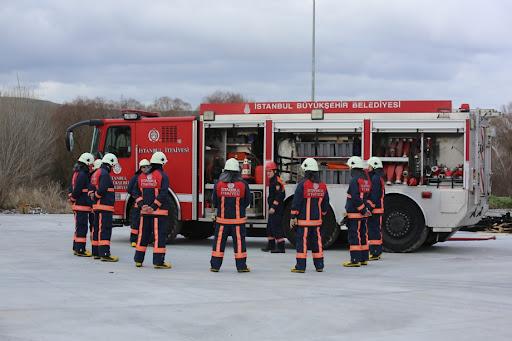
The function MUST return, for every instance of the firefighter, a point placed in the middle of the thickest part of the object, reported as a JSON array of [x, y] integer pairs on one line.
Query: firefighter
[[275, 233], [310, 203], [81, 203], [104, 196], [231, 196], [152, 198], [144, 167], [95, 166], [376, 205], [357, 212]]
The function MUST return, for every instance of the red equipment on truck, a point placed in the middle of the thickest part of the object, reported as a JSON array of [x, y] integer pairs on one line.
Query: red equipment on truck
[[412, 138]]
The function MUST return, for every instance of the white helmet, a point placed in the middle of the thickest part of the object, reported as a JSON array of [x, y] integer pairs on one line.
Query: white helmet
[[355, 162], [232, 165], [97, 164], [159, 158], [86, 158], [309, 164], [110, 159], [375, 162], [144, 162]]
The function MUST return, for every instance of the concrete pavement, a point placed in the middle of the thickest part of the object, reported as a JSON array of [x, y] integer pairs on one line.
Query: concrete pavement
[[452, 291]]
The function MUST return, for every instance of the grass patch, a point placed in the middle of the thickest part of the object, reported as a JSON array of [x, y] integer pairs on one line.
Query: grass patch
[[500, 202], [49, 198]]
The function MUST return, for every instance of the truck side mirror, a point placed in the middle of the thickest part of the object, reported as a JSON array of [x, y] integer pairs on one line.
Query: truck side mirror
[[70, 142]]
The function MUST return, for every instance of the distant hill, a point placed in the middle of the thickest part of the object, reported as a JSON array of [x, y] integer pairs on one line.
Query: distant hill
[[27, 104]]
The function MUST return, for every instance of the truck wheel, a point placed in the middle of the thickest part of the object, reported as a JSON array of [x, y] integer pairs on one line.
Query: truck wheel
[[432, 238], [174, 224], [403, 226], [197, 230], [329, 230]]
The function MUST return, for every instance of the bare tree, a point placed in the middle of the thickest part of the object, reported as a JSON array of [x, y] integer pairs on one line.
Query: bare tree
[[225, 97], [502, 153], [26, 139], [166, 103]]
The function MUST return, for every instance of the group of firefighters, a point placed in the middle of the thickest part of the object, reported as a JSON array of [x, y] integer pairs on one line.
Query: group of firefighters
[[92, 196]]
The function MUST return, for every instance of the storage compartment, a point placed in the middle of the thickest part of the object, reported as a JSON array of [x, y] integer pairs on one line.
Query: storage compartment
[[244, 144], [421, 158], [330, 150]]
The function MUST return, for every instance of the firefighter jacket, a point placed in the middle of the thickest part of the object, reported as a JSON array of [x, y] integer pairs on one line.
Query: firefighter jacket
[[153, 190], [103, 187], [310, 203], [78, 191], [376, 198], [358, 194], [276, 194], [231, 196], [133, 184]]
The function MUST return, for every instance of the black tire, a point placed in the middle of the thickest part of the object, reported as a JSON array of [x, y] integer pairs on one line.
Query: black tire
[[403, 225], [197, 230], [432, 239], [174, 224], [329, 230]]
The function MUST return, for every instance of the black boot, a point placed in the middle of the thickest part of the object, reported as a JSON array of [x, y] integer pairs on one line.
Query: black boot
[[279, 248], [270, 246]]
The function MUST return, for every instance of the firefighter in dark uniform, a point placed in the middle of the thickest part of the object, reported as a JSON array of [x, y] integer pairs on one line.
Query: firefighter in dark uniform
[[81, 203], [152, 198], [275, 233], [144, 167], [310, 204], [376, 206], [231, 196], [92, 217], [103, 193], [357, 212]]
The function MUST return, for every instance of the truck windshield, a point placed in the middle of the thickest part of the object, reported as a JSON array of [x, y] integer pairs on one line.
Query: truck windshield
[[95, 143]]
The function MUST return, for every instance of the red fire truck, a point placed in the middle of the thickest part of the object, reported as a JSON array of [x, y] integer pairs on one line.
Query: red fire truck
[[436, 160]]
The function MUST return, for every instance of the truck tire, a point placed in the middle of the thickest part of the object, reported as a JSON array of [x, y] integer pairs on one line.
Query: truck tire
[[174, 224], [432, 239], [197, 230], [403, 225], [329, 230]]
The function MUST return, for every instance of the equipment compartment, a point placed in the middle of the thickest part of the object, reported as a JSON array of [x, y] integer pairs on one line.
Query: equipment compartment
[[421, 158], [331, 152], [244, 144]]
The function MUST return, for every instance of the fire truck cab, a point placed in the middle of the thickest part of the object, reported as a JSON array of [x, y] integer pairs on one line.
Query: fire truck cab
[[436, 161]]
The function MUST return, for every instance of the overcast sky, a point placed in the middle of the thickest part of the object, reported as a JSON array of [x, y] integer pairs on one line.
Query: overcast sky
[[393, 49]]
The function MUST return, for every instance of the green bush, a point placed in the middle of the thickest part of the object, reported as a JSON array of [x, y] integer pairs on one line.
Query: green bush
[[500, 202]]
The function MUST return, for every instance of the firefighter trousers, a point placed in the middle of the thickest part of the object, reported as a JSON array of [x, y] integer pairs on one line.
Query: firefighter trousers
[[102, 233], [81, 227], [309, 238], [375, 234], [275, 228], [151, 226], [135, 222], [358, 240], [238, 233]]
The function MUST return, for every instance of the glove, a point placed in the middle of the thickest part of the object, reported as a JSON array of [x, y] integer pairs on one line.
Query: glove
[[366, 213], [293, 223]]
